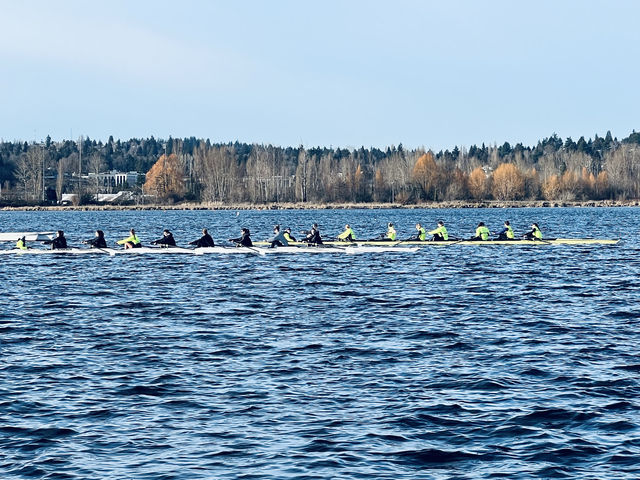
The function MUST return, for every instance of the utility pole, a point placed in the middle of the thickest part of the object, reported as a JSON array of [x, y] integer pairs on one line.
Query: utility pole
[[44, 192]]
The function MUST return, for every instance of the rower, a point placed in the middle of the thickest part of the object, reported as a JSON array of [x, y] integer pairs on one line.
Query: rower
[[420, 236], [288, 236], [482, 233], [58, 243], [278, 239], [440, 234], [167, 239], [244, 240], [132, 241], [534, 233], [22, 244], [389, 236], [348, 235], [313, 235], [204, 241], [97, 241], [506, 233]]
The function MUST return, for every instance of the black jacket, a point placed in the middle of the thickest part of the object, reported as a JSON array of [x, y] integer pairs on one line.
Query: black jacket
[[97, 242], [203, 241], [244, 240], [166, 240]]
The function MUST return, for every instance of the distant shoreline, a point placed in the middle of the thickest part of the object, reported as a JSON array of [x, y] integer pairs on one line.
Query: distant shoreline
[[337, 206]]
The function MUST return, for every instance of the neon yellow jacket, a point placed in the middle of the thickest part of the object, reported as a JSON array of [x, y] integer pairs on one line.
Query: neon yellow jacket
[[133, 239], [442, 231], [391, 233], [483, 232], [21, 245], [345, 235]]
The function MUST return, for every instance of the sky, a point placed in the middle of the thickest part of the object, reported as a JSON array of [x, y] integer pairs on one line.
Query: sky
[[335, 73]]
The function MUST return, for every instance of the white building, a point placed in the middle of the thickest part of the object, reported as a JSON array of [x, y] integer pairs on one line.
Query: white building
[[114, 179]]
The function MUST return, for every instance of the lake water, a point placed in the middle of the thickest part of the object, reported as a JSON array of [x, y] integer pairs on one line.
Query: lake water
[[453, 362]]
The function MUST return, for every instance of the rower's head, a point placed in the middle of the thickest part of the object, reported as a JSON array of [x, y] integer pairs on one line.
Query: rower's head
[[315, 226], [506, 223], [481, 224], [534, 225], [390, 224], [347, 227], [132, 231], [441, 223], [204, 231], [60, 233], [166, 232], [23, 239], [288, 230], [99, 233], [276, 228], [246, 231]]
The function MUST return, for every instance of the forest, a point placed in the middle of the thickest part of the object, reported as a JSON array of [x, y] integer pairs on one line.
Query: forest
[[197, 170]]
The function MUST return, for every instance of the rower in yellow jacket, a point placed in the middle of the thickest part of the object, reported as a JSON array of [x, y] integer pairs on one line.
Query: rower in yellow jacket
[[22, 244], [132, 241], [482, 232], [348, 235], [440, 234]]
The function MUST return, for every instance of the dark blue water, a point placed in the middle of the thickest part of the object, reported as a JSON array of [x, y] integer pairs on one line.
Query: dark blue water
[[456, 362]]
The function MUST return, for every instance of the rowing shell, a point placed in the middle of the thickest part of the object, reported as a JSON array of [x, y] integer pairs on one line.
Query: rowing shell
[[401, 243], [348, 249], [352, 249], [29, 236]]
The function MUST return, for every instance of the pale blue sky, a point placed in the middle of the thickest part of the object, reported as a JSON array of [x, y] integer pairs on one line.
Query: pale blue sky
[[332, 73]]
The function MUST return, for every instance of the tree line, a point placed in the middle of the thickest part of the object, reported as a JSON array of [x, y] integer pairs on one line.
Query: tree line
[[199, 170]]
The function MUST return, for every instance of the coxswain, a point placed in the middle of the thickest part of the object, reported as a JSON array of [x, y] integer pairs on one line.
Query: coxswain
[[440, 234], [22, 244], [167, 239], [348, 235], [58, 243], [132, 241], [482, 233], [204, 241], [534, 233], [288, 236], [419, 236], [313, 236], [506, 233], [97, 241], [278, 239], [244, 240]]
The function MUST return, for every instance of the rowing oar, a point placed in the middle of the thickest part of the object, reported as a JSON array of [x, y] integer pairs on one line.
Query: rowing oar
[[255, 250], [190, 250], [108, 252], [448, 244]]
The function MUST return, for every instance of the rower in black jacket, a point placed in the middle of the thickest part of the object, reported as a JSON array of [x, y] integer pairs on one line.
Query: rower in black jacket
[[244, 240], [98, 241], [204, 241], [313, 236], [167, 240], [58, 243]]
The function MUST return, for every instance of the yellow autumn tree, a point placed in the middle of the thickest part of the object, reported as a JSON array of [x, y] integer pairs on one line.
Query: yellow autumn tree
[[426, 174], [508, 182], [477, 184], [551, 188], [379, 187], [601, 186], [165, 178]]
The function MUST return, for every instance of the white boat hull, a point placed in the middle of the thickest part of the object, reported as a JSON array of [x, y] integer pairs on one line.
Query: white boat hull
[[29, 236]]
